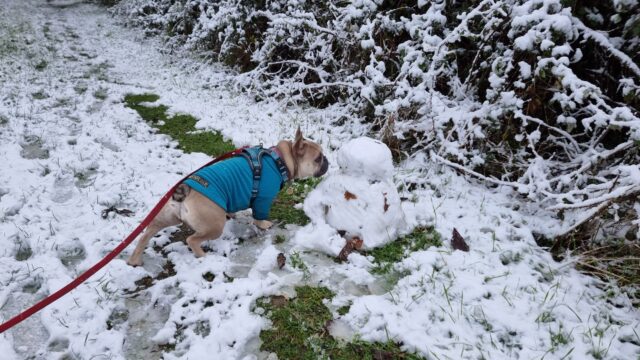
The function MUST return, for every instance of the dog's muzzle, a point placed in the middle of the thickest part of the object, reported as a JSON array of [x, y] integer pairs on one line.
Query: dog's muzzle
[[323, 167]]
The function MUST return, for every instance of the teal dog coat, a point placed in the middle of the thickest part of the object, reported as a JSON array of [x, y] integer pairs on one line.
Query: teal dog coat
[[252, 179]]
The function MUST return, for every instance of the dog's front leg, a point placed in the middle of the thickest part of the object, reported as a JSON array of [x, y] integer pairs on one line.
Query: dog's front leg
[[260, 209]]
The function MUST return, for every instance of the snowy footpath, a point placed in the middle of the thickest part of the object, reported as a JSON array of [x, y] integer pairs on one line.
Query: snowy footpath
[[69, 148]]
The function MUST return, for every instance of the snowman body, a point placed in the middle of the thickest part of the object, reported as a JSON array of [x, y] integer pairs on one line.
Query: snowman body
[[359, 200]]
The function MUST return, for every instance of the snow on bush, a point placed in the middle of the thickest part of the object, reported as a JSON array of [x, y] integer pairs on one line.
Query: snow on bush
[[359, 200], [535, 95]]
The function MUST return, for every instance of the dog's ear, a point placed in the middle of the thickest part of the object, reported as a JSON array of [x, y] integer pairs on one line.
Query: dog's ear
[[298, 143]]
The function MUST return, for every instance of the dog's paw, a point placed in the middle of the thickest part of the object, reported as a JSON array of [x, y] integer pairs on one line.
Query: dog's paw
[[134, 262], [263, 224]]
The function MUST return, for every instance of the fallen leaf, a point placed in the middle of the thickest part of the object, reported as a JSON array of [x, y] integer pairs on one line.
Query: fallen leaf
[[281, 260], [349, 196], [457, 241], [357, 242], [346, 250], [386, 204]]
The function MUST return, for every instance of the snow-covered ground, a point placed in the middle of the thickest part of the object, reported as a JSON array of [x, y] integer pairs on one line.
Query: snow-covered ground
[[70, 148]]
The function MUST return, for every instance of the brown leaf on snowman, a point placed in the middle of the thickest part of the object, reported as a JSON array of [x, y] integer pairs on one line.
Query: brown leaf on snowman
[[349, 195]]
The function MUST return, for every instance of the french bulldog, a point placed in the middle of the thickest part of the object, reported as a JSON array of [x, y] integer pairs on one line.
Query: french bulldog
[[204, 200]]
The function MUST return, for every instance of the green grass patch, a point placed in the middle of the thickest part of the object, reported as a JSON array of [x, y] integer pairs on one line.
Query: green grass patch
[[180, 127], [299, 331], [421, 238], [293, 193]]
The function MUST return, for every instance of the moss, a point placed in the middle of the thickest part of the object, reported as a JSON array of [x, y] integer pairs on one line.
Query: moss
[[299, 331], [420, 239], [180, 127]]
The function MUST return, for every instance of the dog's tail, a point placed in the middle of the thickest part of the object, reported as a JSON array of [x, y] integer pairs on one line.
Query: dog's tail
[[181, 192]]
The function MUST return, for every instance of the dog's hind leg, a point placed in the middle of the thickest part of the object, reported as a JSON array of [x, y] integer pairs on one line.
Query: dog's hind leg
[[195, 241], [136, 257], [205, 217], [211, 231], [166, 217]]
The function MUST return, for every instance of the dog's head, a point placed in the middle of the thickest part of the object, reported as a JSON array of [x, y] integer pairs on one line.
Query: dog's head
[[308, 157]]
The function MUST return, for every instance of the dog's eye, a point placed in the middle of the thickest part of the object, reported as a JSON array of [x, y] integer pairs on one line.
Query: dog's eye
[[318, 159]]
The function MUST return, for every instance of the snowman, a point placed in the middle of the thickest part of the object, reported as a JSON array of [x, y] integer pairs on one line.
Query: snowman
[[358, 204]]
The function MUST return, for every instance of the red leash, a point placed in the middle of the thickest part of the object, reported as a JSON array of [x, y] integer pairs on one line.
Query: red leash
[[110, 256]]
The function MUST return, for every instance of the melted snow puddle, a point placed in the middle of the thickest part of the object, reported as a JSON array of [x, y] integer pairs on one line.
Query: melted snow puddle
[[144, 319], [244, 256], [30, 335], [253, 243]]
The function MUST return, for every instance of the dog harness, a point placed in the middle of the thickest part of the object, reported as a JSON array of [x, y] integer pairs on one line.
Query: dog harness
[[250, 179]]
